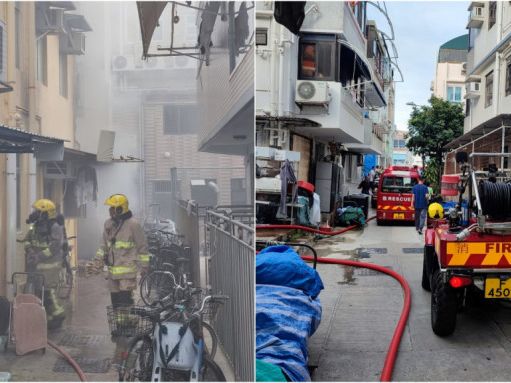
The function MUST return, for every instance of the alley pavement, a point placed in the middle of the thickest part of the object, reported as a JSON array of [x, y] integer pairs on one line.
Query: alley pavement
[[361, 308], [85, 336]]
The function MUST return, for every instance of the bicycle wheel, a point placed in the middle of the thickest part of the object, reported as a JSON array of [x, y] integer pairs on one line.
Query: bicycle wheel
[[138, 366], [155, 286], [213, 339], [211, 372]]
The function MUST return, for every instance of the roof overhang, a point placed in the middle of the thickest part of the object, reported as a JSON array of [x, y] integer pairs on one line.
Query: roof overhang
[[149, 13], [480, 131], [362, 148], [19, 141]]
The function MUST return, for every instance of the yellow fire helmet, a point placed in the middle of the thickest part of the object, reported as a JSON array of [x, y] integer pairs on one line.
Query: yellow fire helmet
[[45, 206], [436, 211], [118, 201]]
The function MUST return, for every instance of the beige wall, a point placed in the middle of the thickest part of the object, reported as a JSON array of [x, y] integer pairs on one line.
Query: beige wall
[[19, 108], [448, 74]]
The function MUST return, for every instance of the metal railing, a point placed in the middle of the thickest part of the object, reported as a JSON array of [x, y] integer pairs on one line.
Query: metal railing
[[187, 220], [230, 248]]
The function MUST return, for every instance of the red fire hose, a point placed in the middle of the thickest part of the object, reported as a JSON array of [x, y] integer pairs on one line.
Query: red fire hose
[[70, 360], [310, 229], [388, 367]]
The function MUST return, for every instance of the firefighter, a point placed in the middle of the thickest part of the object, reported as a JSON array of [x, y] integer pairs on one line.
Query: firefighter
[[123, 247], [44, 244]]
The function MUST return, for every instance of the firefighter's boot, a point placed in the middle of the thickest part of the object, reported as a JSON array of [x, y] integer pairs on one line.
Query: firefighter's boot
[[55, 312]]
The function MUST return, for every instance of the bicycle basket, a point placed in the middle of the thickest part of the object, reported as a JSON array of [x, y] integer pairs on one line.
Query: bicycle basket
[[128, 321], [211, 310]]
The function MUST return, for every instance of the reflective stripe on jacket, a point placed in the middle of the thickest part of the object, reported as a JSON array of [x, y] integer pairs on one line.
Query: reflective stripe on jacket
[[129, 244]]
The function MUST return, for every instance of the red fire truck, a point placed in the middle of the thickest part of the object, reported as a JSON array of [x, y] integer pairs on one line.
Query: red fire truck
[[395, 194]]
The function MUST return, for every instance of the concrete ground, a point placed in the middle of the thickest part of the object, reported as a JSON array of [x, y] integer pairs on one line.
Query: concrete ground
[[361, 309], [85, 336]]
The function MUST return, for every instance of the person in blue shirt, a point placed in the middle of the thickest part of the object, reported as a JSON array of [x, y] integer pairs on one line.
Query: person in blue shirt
[[420, 203]]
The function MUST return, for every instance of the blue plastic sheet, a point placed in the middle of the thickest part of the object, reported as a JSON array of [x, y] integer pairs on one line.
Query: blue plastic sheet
[[282, 266], [285, 319]]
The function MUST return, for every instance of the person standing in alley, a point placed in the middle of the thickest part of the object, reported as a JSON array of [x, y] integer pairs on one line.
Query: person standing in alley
[[365, 185], [123, 244], [420, 203], [44, 246]]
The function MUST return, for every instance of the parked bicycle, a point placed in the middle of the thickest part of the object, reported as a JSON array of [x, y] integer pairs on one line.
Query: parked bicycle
[[176, 350]]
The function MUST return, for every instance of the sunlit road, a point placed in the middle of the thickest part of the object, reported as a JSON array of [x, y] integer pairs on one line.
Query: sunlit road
[[361, 309]]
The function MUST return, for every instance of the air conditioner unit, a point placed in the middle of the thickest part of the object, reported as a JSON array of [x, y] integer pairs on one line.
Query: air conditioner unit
[[58, 170], [312, 93], [122, 63], [473, 89], [55, 20], [77, 42]]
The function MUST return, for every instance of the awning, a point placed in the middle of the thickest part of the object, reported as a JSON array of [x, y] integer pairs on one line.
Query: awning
[[362, 148], [19, 141], [481, 130], [354, 66], [374, 95], [149, 13]]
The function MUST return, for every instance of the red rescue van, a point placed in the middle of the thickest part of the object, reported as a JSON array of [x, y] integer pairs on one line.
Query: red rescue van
[[395, 194]]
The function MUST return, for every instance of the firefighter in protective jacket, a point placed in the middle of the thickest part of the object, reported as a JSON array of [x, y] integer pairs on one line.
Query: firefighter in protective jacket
[[44, 251], [123, 246]]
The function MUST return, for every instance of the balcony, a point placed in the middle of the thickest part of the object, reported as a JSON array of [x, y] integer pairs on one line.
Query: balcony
[[476, 16]]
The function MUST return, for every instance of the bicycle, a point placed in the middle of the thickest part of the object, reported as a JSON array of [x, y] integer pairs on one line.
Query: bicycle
[[176, 350]]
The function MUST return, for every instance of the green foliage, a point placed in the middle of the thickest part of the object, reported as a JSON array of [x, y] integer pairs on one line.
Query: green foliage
[[431, 127]]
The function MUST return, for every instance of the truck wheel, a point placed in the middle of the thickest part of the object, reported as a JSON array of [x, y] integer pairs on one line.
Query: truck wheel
[[425, 277], [444, 306]]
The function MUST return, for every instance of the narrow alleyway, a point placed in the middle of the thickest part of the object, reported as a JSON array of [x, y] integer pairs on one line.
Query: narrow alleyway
[[84, 335], [361, 309]]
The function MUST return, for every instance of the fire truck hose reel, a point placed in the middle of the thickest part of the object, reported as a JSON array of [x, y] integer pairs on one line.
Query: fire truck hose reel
[[495, 198], [390, 359]]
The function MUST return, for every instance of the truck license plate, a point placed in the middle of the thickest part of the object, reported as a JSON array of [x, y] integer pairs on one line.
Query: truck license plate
[[399, 215], [497, 288]]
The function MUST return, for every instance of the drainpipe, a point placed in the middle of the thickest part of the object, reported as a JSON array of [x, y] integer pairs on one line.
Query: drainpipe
[[10, 241], [497, 61], [274, 107]]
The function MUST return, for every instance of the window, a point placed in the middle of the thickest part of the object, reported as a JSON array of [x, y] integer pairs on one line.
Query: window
[[359, 10], [488, 97], [454, 93], [508, 77], [261, 36], [492, 14], [42, 61], [317, 58], [17, 34], [180, 119], [398, 184], [399, 143], [63, 75]]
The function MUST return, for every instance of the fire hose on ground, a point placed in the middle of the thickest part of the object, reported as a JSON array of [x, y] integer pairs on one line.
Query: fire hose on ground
[[70, 360], [392, 351], [310, 229]]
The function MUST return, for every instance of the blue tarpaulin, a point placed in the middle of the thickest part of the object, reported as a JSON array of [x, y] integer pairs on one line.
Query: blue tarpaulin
[[287, 310]]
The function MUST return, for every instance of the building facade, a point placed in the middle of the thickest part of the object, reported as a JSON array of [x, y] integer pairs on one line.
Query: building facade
[[488, 85], [40, 42], [449, 82], [324, 96]]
